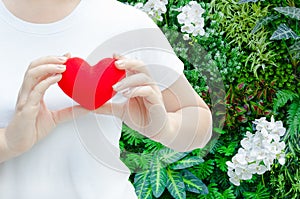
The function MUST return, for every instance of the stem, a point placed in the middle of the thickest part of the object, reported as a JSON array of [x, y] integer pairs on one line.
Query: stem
[[166, 19], [262, 179]]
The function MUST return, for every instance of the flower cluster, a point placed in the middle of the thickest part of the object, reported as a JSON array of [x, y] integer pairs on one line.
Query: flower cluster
[[192, 20], [258, 151], [154, 8]]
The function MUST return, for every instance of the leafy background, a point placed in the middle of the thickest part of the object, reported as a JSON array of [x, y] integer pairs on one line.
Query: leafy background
[[255, 45]]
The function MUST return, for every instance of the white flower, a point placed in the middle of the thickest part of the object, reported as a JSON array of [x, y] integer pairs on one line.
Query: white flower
[[191, 19], [258, 151], [281, 158], [189, 28], [186, 37], [154, 8]]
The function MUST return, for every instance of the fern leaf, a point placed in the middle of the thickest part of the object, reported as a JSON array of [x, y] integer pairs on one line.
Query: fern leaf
[[294, 117], [193, 184], [158, 176], [261, 193], [284, 32], [175, 184], [131, 136], [152, 146], [262, 22], [204, 169], [142, 184], [282, 97], [170, 156], [228, 194], [187, 162], [289, 11]]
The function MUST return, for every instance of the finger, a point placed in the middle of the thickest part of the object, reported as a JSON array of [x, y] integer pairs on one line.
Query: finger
[[146, 92], [132, 65], [34, 75], [139, 79], [68, 113], [37, 94], [48, 60]]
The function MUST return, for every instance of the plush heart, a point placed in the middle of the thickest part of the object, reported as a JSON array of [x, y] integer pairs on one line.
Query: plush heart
[[90, 86]]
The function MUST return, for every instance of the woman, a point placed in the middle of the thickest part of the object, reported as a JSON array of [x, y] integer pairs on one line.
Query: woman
[[47, 148]]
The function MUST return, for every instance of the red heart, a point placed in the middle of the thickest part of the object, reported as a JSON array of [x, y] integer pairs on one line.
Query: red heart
[[90, 86]]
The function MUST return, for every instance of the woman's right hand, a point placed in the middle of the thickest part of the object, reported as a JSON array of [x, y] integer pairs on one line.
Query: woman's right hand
[[32, 120]]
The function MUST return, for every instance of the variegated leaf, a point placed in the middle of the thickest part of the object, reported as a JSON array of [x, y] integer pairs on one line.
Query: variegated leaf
[[142, 185], [187, 162], [295, 50], [289, 11], [170, 156], [246, 1], [193, 184], [284, 32], [175, 184], [158, 176], [262, 22]]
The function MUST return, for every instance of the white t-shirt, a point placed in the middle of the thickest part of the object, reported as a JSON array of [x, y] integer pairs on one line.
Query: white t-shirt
[[80, 158]]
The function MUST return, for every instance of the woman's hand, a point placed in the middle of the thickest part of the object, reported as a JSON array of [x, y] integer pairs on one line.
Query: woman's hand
[[32, 120], [176, 117], [144, 111]]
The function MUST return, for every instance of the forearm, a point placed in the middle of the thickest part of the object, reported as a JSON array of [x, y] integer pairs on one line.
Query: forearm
[[5, 153], [186, 129]]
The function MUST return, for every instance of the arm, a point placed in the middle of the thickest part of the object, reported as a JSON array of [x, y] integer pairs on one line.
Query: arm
[[176, 117], [5, 154], [189, 120]]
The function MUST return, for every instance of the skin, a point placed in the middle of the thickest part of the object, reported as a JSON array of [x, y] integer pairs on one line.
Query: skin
[[177, 117]]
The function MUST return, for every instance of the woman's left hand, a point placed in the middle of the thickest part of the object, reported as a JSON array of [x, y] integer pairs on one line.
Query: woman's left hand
[[144, 110]]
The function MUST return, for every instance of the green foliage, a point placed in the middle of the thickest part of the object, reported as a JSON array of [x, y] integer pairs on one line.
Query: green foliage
[[204, 169], [253, 69], [175, 184], [168, 170], [158, 177], [282, 97], [260, 193], [284, 32], [292, 12], [262, 22]]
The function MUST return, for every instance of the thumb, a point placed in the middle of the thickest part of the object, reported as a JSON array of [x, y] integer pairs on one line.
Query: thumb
[[69, 113]]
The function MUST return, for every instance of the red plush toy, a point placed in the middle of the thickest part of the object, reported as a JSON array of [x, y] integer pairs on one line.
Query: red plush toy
[[90, 86]]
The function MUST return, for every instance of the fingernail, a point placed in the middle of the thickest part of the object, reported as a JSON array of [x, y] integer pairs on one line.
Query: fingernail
[[126, 91], [120, 63], [62, 58], [117, 86], [61, 66]]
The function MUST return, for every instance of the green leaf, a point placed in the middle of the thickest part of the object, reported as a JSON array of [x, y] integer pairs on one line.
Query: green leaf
[[175, 184], [187, 162], [221, 163], [284, 32], [260, 193], [229, 150], [282, 97], [294, 117], [204, 169], [289, 11], [170, 156], [158, 176], [262, 22], [295, 50], [142, 185], [228, 194], [193, 184]]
